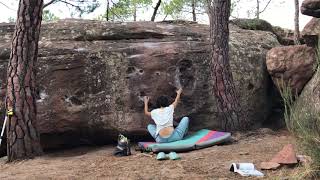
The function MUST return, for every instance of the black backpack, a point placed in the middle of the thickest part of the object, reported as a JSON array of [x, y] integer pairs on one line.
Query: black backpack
[[123, 147]]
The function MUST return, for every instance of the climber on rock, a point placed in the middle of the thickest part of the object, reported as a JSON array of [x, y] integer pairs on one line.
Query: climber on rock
[[163, 130]]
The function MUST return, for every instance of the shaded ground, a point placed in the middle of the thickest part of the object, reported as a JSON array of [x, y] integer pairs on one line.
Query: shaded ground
[[210, 163]]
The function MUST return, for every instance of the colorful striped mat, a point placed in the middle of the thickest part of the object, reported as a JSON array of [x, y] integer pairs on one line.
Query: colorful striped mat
[[200, 139]]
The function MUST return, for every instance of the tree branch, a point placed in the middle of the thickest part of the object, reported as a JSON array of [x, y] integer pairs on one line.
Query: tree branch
[[49, 3], [265, 7], [7, 6], [75, 6]]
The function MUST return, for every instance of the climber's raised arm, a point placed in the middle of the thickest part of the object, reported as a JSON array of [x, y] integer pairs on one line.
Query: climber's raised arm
[[146, 101], [175, 103]]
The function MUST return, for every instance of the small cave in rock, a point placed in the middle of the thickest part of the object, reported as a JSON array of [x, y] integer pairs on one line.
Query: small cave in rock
[[205, 86], [38, 93], [184, 65], [131, 69], [275, 119], [75, 100], [72, 100], [250, 86]]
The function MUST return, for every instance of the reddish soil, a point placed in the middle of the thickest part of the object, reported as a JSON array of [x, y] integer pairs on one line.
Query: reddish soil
[[209, 163]]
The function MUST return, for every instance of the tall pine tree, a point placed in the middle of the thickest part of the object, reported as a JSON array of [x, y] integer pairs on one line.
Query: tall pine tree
[[223, 85], [23, 137]]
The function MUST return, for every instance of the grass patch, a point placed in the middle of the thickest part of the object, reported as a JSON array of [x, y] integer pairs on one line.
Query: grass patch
[[303, 120]]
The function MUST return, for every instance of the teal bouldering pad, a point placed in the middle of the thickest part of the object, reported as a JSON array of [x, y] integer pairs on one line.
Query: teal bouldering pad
[[200, 139]]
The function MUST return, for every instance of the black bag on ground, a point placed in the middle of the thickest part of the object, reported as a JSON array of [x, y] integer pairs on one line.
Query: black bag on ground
[[123, 147]]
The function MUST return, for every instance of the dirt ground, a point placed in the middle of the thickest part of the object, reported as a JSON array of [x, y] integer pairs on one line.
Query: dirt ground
[[209, 163]]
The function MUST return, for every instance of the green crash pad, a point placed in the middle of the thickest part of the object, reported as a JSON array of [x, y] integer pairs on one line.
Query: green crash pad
[[200, 139]]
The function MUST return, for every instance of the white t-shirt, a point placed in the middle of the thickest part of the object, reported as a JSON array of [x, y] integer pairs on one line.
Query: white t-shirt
[[163, 117]]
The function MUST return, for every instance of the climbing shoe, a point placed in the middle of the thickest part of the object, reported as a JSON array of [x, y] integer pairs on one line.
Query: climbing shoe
[[161, 156], [174, 156], [123, 146], [171, 155]]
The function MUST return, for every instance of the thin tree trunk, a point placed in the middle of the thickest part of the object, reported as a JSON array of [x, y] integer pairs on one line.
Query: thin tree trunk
[[258, 10], [108, 7], [155, 10], [135, 12], [296, 23], [23, 137], [194, 16], [223, 86]]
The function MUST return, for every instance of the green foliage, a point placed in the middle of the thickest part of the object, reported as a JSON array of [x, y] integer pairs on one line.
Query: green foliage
[[125, 9], [11, 20], [76, 7], [48, 16], [304, 124], [175, 8]]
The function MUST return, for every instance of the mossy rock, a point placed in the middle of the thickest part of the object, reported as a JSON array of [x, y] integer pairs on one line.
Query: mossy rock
[[253, 24]]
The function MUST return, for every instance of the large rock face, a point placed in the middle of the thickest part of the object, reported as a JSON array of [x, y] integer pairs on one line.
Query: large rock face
[[311, 8], [292, 65], [92, 76]]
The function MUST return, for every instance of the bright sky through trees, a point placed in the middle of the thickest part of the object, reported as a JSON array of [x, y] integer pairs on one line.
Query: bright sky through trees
[[278, 14]]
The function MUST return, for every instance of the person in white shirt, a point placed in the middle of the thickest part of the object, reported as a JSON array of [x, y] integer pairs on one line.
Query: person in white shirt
[[163, 131]]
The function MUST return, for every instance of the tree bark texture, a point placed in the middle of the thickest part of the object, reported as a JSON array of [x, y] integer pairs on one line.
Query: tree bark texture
[[23, 137], [155, 10], [135, 12], [108, 7], [194, 16], [296, 23], [258, 10], [223, 85]]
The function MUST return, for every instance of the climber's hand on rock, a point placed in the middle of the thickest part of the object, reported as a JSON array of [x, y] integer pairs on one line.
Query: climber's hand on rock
[[179, 91], [146, 99]]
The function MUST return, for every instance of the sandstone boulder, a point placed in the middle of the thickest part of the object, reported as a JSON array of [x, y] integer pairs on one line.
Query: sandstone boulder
[[92, 76], [311, 32], [311, 8], [292, 65], [284, 36]]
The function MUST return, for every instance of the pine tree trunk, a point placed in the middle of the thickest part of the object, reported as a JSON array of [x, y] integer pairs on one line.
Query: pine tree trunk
[[258, 10], [296, 23], [223, 85], [155, 10], [194, 16], [135, 12], [108, 7], [23, 137]]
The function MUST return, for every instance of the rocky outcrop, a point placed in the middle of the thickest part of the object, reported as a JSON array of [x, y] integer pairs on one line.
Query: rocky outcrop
[[92, 76], [305, 119], [311, 8], [292, 65], [311, 32], [284, 36], [252, 24]]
